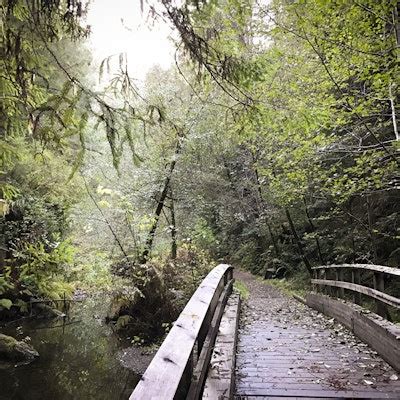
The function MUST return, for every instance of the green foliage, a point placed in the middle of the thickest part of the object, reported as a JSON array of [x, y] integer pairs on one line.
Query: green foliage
[[41, 268], [91, 272], [242, 289], [203, 235], [316, 135], [298, 283], [6, 303], [285, 154]]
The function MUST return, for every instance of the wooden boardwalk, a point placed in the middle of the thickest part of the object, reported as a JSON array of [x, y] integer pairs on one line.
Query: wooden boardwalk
[[287, 350]]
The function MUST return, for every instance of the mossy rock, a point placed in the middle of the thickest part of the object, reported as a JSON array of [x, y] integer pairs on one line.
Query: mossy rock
[[16, 351]]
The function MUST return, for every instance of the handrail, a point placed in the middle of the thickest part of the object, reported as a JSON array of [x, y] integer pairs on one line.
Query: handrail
[[338, 284], [376, 294], [170, 374], [371, 267]]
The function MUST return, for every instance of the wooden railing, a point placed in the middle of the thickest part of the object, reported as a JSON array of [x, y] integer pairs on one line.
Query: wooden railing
[[331, 280], [179, 368]]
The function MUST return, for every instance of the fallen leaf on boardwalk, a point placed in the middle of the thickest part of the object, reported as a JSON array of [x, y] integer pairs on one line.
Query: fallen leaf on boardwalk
[[394, 377]]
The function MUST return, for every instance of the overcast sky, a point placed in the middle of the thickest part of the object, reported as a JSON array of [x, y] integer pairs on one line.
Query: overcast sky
[[118, 26]]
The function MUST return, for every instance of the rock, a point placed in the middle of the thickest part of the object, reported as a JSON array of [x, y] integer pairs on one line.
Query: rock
[[269, 273], [280, 273], [275, 269], [16, 351]]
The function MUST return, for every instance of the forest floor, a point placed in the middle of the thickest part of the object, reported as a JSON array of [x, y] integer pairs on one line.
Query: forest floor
[[288, 349]]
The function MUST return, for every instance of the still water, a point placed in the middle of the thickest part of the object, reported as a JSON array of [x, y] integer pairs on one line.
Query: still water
[[79, 359]]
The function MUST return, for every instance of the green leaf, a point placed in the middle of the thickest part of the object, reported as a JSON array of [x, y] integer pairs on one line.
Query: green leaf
[[23, 305], [6, 303]]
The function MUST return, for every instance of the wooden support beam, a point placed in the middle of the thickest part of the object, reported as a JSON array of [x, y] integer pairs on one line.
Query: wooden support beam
[[356, 278], [340, 277], [370, 267]]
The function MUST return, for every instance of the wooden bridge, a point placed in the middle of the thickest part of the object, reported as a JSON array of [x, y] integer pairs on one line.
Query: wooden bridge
[[282, 347]]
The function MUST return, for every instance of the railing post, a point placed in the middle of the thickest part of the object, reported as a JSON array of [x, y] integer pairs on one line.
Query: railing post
[[339, 277], [186, 379], [335, 290], [315, 287], [356, 278], [379, 284], [228, 276], [324, 289]]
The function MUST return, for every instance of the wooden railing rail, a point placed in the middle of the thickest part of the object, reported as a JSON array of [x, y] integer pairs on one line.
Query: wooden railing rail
[[322, 276], [179, 368]]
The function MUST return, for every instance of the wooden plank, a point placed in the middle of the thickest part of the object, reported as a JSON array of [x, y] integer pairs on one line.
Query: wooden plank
[[200, 371], [376, 294], [370, 267], [325, 394], [287, 350], [219, 383], [163, 377]]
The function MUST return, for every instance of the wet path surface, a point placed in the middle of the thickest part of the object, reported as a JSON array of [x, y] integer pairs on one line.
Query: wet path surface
[[287, 350]]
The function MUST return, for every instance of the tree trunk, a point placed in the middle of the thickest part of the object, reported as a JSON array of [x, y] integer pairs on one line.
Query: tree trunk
[[298, 242], [160, 205], [313, 230], [174, 245], [274, 242], [371, 221], [262, 206]]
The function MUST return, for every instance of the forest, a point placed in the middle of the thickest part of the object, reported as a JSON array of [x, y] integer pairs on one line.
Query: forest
[[270, 143]]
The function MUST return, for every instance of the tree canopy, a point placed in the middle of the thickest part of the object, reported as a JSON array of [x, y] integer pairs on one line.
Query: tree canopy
[[272, 142]]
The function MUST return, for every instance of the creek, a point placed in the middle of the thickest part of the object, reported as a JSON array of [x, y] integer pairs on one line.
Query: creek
[[80, 358]]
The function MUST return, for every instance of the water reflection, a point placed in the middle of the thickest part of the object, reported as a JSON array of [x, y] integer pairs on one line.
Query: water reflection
[[78, 359]]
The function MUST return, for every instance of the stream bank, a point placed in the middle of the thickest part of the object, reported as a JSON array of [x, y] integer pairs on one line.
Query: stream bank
[[80, 358]]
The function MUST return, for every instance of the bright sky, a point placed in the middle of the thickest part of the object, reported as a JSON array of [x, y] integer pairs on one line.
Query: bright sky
[[119, 26]]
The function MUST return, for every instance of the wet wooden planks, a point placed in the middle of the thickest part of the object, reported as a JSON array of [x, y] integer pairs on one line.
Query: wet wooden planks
[[220, 379], [285, 349]]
